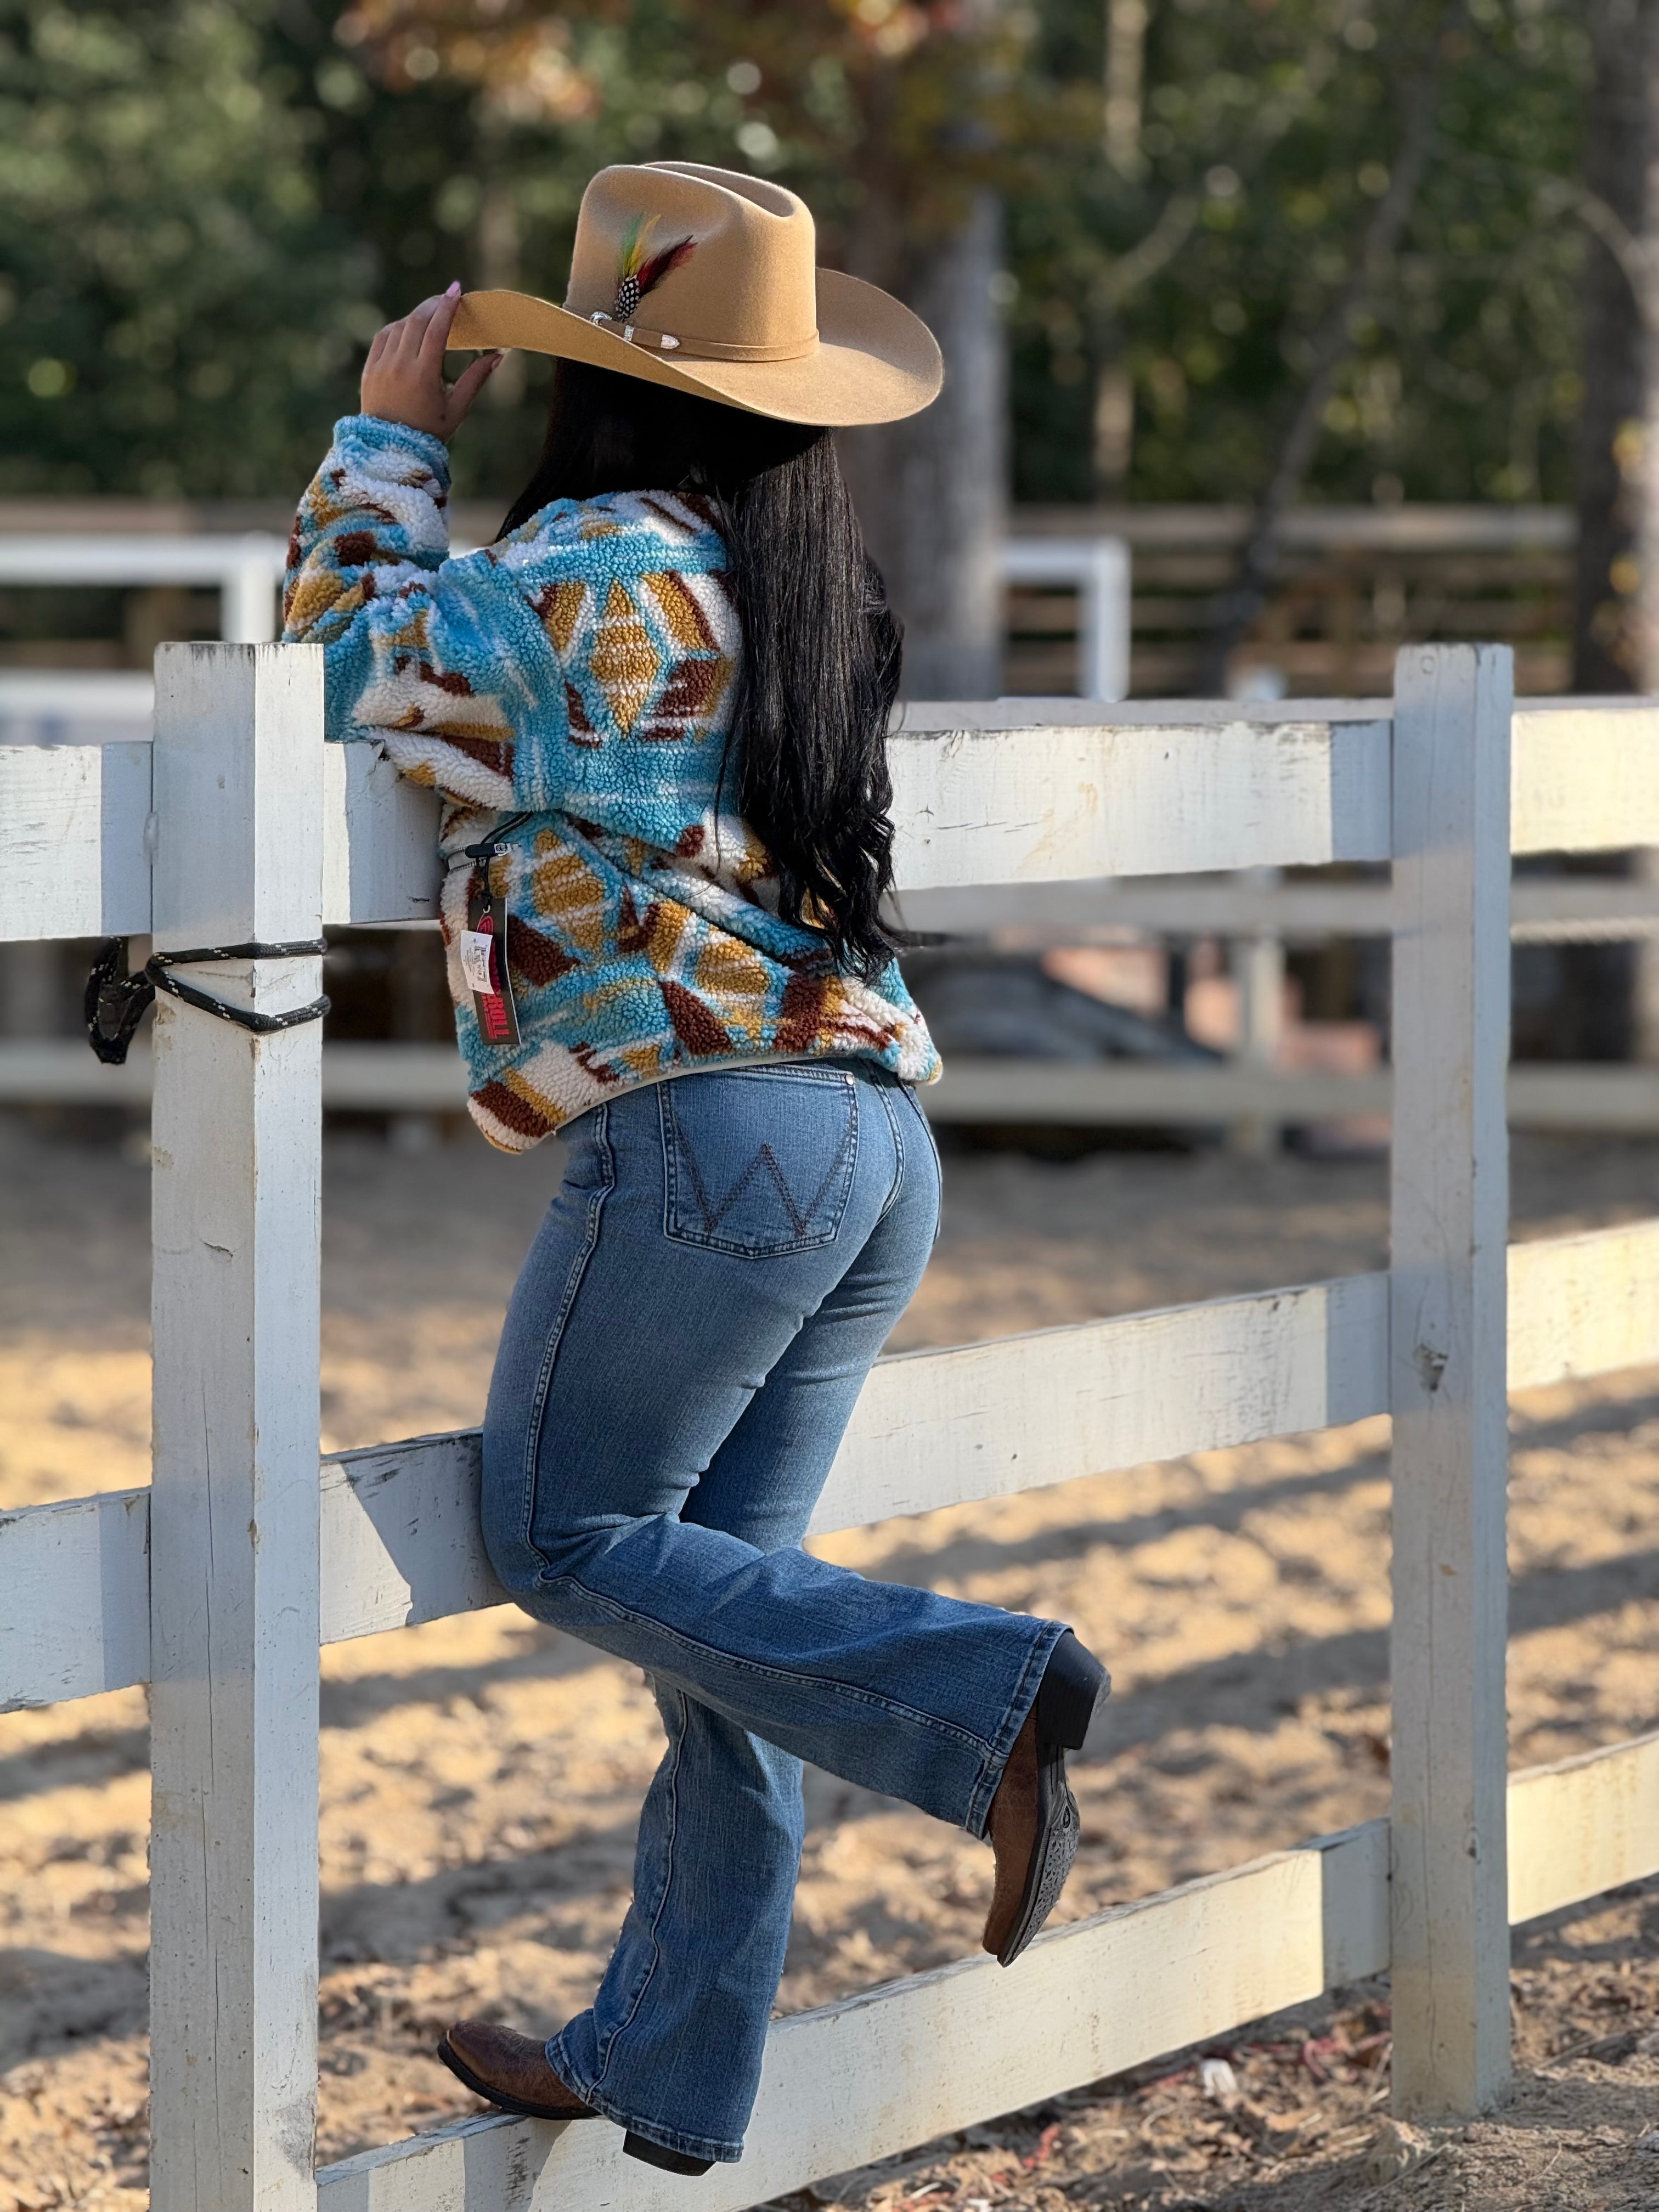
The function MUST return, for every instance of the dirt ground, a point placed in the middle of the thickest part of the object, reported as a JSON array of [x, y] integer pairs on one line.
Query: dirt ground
[[482, 1776]]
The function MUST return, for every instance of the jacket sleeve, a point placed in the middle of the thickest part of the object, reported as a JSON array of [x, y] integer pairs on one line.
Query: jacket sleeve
[[434, 658]]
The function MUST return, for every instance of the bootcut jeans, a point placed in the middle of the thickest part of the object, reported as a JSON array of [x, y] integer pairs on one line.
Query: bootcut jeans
[[720, 1266]]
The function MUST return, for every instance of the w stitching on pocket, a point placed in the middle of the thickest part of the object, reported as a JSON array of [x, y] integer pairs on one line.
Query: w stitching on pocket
[[680, 1163]]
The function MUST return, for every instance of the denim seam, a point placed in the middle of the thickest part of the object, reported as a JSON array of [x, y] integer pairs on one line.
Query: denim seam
[[891, 1199], [791, 1067], [933, 1145], [555, 1334], [931, 1721], [656, 2131], [845, 1163], [1013, 1719], [649, 1975]]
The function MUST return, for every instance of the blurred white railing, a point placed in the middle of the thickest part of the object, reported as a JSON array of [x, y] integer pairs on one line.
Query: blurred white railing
[[244, 569], [1099, 568]]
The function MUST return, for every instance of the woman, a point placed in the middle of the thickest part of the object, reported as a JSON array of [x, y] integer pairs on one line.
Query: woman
[[656, 707]]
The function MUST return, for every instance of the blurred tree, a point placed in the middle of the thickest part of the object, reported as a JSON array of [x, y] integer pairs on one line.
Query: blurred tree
[[1332, 342], [1616, 628], [175, 311], [204, 206], [1198, 259], [1616, 625], [898, 121]]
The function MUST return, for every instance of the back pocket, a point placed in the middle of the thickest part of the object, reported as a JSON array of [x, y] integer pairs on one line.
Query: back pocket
[[757, 1162]]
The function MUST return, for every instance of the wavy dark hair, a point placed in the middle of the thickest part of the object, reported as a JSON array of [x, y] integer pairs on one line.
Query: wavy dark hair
[[820, 665]]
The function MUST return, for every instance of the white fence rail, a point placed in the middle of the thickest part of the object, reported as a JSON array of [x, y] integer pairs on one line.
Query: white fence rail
[[900, 2065], [429, 1079], [220, 1583], [399, 1525], [982, 795]]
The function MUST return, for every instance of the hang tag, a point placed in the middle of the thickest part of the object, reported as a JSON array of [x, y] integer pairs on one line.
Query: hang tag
[[483, 964], [475, 948]]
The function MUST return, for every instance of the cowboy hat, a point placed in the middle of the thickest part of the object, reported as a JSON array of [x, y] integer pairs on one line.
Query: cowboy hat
[[705, 280]]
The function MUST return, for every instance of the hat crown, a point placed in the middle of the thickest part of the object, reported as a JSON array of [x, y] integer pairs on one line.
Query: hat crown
[[742, 285]]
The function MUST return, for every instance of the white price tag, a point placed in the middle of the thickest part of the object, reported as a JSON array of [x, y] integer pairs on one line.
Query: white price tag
[[476, 946]]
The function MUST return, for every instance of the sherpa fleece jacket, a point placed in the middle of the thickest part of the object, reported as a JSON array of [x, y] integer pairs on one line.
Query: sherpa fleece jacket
[[579, 672]]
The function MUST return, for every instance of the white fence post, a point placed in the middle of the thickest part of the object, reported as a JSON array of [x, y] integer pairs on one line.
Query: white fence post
[[1447, 1361], [247, 597], [236, 1133]]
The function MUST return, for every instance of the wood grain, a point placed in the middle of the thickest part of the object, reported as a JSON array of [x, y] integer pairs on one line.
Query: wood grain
[[77, 860], [1447, 1359], [236, 1184]]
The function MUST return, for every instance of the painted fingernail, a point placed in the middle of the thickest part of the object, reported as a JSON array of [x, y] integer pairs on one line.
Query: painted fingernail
[[453, 290]]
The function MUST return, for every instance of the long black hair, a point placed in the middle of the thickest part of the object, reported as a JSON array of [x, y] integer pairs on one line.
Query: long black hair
[[820, 665]]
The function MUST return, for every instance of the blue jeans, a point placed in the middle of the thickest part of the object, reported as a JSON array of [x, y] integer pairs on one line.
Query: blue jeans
[[723, 1261]]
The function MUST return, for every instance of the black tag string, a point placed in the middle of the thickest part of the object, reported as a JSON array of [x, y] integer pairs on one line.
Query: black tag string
[[492, 844], [116, 1002]]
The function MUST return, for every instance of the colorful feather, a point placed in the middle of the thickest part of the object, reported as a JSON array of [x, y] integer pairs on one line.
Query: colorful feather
[[633, 243], [662, 264], [636, 275]]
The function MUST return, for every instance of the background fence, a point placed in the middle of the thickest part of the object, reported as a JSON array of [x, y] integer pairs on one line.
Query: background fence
[[1351, 585], [1386, 566], [218, 1583]]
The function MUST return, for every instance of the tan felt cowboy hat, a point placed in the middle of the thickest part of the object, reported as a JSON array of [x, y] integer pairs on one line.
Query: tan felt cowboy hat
[[706, 280]]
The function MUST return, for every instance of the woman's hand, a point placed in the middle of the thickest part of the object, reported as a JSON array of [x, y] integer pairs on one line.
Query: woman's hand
[[403, 375]]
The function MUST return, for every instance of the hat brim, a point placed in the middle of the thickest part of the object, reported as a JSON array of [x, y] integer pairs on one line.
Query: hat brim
[[874, 362]]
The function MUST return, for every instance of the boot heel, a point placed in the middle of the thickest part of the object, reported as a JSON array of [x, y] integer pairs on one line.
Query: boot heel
[[671, 2161], [1072, 1684]]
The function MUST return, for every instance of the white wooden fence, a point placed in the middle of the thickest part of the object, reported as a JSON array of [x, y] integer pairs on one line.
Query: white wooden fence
[[219, 1583]]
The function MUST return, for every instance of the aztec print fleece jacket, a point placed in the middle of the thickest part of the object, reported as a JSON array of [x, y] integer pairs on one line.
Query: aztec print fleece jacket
[[579, 673]]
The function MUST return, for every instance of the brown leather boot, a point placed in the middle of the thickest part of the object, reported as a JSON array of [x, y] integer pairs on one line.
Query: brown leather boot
[[1033, 1821], [1012, 1828], [510, 2071]]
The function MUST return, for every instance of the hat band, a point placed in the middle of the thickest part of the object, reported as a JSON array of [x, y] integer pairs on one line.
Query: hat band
[[698, 349]]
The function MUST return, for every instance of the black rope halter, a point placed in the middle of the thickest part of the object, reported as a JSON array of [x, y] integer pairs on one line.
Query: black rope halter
[[116, 1002]]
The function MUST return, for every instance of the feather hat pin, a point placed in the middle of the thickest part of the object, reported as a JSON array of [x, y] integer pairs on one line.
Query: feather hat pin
[[638, 272]]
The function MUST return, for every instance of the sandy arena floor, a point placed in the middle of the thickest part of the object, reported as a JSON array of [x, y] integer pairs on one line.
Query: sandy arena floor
[[482, 1776]]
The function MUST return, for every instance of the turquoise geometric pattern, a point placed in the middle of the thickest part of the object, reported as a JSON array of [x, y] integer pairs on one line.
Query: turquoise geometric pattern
[[568, 691]]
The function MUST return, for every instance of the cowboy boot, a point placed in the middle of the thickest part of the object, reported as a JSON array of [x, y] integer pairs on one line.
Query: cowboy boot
[[1033, 1824]]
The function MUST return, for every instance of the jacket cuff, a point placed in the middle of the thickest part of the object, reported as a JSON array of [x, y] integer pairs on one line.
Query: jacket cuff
[[373, 434]]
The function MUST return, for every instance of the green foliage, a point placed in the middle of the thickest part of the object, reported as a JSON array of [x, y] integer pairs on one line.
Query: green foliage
[[176, 305], [1274, 126], [206, 206]]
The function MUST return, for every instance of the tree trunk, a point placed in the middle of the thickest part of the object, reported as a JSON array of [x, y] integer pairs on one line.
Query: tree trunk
[[1605, 648], [932, 491], [1641, 61], [1329, 346], [1124, 81], [1616, 595]]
